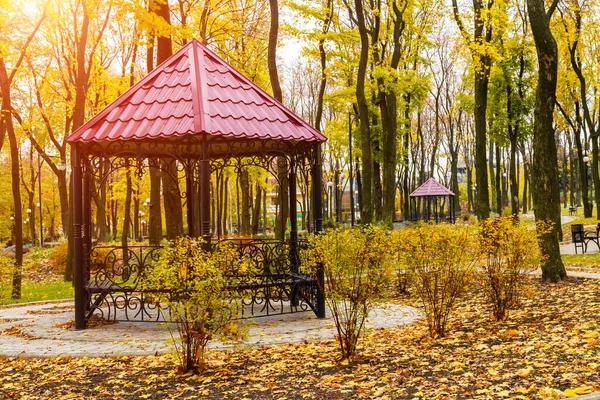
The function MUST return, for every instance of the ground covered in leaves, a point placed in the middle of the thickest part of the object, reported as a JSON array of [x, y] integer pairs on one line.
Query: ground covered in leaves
[[548, 348]]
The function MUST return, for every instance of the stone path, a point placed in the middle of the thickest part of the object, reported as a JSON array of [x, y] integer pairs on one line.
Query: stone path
[[41, 330]]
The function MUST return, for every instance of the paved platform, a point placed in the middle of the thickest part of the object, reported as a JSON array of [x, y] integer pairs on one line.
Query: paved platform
[[44, 330]]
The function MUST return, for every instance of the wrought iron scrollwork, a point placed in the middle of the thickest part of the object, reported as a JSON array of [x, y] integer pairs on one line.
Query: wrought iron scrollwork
[[266, 282]]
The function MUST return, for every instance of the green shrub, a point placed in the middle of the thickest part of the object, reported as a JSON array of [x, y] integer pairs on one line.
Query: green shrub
[[357, 269], [196, 296], [441, 260], [510, 252]]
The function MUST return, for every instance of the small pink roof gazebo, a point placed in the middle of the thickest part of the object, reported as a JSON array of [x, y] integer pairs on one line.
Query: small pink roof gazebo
[[200, 114], [430, 208]]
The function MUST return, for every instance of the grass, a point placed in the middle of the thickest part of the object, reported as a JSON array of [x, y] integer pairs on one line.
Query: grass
[[582, 260], [33, 291]]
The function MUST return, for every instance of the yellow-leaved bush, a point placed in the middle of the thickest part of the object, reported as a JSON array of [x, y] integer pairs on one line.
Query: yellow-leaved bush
[[509, 252], [7, 266], [441, 262], [192, 284], [356, 264]]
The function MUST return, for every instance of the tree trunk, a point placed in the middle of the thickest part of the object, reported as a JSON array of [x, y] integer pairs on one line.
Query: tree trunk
[[256, 209], [172, 200], [498, 182], [7, 121], [282, 164], [101, 206], [245, 193], [546, 196], [366, 204]]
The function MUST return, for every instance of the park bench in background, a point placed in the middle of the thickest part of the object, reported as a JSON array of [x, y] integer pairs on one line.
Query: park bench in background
[[592, 236], [578, 237], [572, 210]]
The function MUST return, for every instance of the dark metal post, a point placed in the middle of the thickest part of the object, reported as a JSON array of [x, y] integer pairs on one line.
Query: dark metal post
[[78, 242], [293, 256], [318, 212], [293, 218], [189, 191], [40, 202], [86, 220], [351, 176], [336, 191], [205, 195]]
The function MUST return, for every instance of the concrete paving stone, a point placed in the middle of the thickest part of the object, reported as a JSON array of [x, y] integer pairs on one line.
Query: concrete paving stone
[[40, 330]]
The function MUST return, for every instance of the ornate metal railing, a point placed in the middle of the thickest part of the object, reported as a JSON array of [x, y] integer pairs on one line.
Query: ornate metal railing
[[272, 284], [268, 283]]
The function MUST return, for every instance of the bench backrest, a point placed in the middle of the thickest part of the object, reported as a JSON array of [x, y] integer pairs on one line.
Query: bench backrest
[[577, 233]]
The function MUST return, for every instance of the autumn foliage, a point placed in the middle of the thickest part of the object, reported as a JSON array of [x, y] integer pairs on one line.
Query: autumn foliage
[[357, 269], [441, 261], [192, 285], [509, 252]]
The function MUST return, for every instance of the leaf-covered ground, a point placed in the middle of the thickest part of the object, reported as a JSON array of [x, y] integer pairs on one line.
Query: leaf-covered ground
[[549, 347]]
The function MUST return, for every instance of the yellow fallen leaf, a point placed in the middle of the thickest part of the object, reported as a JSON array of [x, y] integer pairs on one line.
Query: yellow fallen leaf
[[590, 335], [584, 390], [511, 333], [524, 372], [570, 393], [521, 389]]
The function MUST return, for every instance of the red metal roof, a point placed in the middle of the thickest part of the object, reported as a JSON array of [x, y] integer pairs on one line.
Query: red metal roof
[[431, 188], [195, 91]]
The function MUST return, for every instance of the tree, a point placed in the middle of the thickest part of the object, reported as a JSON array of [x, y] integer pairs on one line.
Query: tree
[[6, 123], [546, 195], [479, 43]]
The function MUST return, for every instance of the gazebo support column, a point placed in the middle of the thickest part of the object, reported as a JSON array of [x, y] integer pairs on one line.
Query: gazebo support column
[[205, 195], [318, 213], [189, 193], [86, 222], [78, 271], [293, 227]]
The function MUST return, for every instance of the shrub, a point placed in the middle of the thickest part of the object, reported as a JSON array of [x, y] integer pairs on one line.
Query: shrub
[[441, 262], [7, 265], [357, 268], [510, 252], [58, 257], [197, 297]]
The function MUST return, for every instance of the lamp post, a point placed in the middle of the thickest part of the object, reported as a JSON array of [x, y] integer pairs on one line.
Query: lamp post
[[475, 199], [586, 161], [341, 199], [12, 229], [350, 115], [329, 207], [61, 166], [31, 228], [141, 215]]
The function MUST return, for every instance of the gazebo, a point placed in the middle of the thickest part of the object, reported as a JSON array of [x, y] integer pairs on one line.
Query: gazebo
[[427, 202], [198, 112]]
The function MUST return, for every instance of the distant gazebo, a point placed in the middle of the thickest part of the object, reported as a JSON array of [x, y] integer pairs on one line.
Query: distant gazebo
[[428, 201]]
